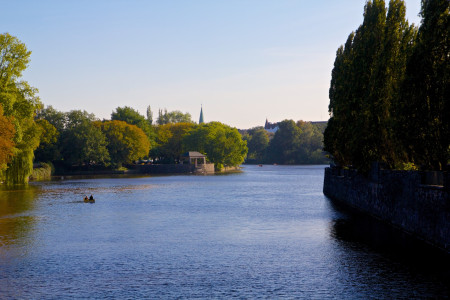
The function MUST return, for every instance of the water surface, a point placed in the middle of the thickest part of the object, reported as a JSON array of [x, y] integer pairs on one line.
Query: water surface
[[267, 232]]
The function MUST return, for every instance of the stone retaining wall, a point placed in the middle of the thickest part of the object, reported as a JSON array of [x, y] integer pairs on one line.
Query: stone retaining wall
[[173, 169], [398, 198]]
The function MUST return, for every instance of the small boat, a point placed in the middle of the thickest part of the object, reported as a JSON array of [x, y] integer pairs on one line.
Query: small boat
[[89, 200], [260, 165]]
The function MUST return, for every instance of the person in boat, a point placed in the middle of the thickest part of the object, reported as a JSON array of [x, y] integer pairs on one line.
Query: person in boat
[[91, 198], [86, 198]]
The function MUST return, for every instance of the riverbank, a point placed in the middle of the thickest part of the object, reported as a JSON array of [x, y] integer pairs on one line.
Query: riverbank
[[403, 199], [42, 171], [153, 169]]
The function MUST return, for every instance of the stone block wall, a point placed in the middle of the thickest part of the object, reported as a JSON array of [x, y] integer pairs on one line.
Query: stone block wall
[[174, 169], [398, 198]]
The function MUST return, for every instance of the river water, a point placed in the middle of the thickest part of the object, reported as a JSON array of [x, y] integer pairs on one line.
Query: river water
[[267, 232]]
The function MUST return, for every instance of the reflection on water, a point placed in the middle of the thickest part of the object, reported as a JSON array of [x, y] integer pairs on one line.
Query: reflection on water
[[390, 256], [16, 222], [266, 232]]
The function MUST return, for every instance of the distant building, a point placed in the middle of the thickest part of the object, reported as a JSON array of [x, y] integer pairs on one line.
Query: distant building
[[271, 127], [200, 121]]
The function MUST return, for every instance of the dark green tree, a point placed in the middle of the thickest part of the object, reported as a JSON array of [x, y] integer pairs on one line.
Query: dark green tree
[[284, 147], [367, 50], [340, 128], [311, 144], [48, 148], [257, 143], [424, 110], [383, 90], [56, 118], [82, 143], [365, 88]]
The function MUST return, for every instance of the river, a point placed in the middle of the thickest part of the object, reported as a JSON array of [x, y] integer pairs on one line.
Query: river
[[266, 232]]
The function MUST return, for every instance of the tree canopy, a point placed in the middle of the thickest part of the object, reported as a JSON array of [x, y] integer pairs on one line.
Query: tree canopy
[[169, 141], [388, 90], [257, 143], [48, 149], [222, 144], [293, 143], [125, 142], [175, 116], [285, 143], [423, 112], [82, 143], [133, 117], [19, 102]]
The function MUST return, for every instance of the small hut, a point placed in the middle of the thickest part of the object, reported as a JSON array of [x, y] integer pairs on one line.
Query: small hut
[[193, 158]]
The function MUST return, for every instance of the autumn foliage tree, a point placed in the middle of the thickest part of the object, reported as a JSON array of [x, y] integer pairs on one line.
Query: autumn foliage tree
[[7, 133], [170, 141], [125, 142], [222, 144]]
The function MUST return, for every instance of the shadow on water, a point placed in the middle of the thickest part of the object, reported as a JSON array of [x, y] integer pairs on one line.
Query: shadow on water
[[355, 229]]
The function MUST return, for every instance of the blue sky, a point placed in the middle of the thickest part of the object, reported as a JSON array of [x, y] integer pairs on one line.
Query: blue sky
[[242, 60]]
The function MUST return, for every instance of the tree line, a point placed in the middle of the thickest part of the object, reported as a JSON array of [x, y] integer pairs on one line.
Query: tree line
[[389, 90], [293, 143], [77, 139]]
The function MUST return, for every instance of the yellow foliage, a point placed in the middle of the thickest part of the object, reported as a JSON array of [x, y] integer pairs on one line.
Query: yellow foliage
[[126, 142]]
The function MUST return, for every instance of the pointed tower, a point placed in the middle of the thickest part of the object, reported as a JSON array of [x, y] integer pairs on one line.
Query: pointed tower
[[200, 121]]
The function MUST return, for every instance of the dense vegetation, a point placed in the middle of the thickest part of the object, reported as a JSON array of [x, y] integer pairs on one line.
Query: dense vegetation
[[78, 140], [19, 133], [292, 143], [389, 90]]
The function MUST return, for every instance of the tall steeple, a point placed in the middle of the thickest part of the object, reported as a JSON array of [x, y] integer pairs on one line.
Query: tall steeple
[[200, 121]]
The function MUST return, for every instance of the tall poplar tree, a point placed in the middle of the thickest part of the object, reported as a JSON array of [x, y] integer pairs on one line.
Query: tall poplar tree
[[367, 49], [387, 76], [365, 88], [424, 111], [339, 129]]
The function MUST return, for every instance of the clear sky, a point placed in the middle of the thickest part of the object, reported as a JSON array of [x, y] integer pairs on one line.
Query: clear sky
[[243, 60]]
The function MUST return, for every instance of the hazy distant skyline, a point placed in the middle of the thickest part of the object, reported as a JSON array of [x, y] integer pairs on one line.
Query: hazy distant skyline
[[242, 60]]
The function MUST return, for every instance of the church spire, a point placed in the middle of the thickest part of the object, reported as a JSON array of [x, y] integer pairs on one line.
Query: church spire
[[200, 121]]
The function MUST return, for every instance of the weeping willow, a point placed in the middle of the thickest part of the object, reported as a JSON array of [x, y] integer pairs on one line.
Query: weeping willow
[[21, 166], [20, 169]]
